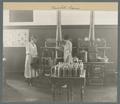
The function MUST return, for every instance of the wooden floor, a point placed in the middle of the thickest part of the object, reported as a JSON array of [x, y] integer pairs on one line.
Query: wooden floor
[[16, 89]]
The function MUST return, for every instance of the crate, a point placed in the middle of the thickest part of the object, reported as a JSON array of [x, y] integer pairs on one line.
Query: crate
[[95, 81], [96, 75]]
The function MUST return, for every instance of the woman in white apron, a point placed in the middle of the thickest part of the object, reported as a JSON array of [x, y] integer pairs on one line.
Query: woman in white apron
[[31, 52], [68, 51]]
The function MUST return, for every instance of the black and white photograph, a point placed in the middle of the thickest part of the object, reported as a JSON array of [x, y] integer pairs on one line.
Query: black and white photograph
[[62, 54]]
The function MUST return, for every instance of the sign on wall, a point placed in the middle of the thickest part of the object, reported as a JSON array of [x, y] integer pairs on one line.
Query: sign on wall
[[15, 37]]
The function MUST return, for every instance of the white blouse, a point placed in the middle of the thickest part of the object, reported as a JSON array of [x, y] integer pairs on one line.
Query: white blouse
[[31, 49], [68, 48]]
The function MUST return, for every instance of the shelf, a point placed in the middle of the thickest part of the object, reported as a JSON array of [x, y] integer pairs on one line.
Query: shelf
[[50, 47], [54, 47], [96, 47], [50, 57], [98, 62], [45, 65], [45, 57], [104, 47]]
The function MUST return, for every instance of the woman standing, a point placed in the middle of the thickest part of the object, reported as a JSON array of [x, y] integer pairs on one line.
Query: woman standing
[[67, 50], [31, 52]]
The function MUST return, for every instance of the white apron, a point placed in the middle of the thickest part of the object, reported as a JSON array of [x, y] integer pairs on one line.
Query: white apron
[[31, 51], [68, 52]]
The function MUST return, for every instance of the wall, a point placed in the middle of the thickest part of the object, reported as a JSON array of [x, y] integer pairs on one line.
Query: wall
[[16, 56], [68, 17]]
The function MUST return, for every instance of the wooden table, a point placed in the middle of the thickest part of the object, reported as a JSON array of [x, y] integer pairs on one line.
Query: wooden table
[[58, 82]]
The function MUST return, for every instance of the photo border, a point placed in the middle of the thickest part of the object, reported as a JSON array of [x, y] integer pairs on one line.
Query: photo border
[[1, 51]]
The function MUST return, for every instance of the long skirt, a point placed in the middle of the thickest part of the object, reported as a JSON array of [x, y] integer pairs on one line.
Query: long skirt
[[67, 58], [29, 72]]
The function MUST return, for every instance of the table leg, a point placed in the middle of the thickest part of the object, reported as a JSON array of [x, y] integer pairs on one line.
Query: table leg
[[71, 93], [53, 92], [82, 89], [67, 93], [82, 93]]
